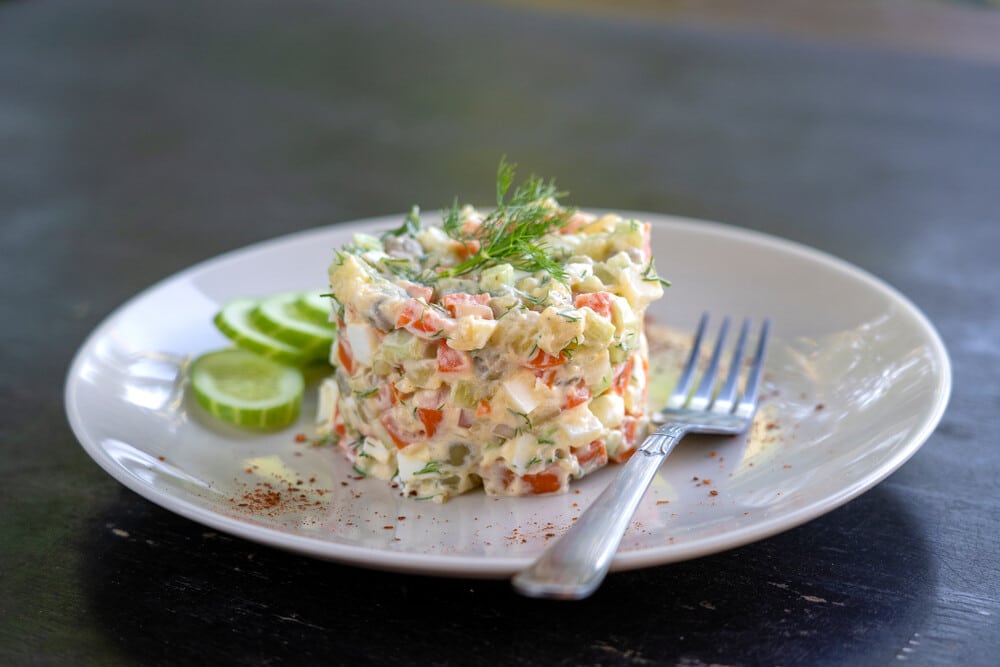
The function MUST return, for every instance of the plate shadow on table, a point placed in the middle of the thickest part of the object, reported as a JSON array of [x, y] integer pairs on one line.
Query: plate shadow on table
[[169, 591]]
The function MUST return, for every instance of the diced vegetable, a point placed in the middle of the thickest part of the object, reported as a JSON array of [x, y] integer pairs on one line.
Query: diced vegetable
[[466, 305], [452, 361], [463, 394], [543, 360], [501, 348], [400, 345], [594, 454], [423, 320], [577, 394], [496, 278], [430, 418], [609, 408], [599, 302], [543, 482]]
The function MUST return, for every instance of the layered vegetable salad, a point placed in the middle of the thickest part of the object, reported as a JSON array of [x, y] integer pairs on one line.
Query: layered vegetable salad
[[501, 349]]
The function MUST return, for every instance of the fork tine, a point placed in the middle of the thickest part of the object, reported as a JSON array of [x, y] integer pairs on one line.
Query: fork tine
[[703, 395], [748, 403], [575, 565], [726, 397], [679, 396]]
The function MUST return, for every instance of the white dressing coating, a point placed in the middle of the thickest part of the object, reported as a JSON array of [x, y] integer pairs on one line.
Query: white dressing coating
[[502, 378]]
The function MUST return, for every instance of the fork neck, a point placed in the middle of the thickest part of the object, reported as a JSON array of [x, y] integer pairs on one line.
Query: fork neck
[[662, 441]]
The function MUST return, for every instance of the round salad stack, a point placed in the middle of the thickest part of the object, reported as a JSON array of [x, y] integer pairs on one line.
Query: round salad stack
[[484, 353]]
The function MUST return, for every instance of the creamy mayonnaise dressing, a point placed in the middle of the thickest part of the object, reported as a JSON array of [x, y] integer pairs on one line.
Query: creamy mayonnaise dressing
[[511, 380]]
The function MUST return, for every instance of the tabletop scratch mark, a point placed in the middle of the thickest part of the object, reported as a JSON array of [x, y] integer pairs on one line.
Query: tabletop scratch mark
[[294, 619]]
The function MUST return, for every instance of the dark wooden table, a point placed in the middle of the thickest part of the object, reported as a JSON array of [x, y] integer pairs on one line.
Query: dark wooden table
[[139, 138]]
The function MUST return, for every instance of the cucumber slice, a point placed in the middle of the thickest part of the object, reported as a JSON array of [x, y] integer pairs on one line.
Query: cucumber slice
[[316, 308], [281, 317], [246, 389], [234, 321]]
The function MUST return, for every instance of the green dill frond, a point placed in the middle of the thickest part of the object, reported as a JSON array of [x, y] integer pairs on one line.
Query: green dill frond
[[451, 220], [512, 232], [411, 225], [505, 178]]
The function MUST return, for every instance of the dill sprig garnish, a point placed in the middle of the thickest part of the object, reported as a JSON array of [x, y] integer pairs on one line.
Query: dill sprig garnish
[[512, 232], [410, 226]]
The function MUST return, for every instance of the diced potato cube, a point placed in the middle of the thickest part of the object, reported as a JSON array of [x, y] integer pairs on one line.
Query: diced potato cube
[[609, 408]]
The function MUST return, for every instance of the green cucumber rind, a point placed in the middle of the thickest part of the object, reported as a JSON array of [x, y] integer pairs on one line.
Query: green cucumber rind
[[316, 307], [280, 317], [278, 413], [233, 320]]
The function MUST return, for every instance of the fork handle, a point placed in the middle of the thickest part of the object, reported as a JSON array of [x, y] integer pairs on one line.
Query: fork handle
[[573, 567]]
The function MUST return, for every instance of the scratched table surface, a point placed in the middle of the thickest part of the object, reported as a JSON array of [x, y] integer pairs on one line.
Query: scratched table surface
[[137, 139]]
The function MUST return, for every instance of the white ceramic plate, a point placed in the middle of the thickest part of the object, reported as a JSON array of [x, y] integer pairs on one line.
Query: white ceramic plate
[[857, 379]]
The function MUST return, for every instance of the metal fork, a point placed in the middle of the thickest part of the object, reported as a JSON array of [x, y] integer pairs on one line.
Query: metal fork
[[574, 566]]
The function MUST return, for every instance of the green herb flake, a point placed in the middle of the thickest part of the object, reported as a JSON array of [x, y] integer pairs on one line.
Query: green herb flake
[[523, 416], [569, 315], [432, 468], [649, 274]]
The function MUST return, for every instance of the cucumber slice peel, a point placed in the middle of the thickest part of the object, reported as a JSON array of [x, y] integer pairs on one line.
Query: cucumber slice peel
[[234, 320], [316, 307], [281, 316], [246, 389]]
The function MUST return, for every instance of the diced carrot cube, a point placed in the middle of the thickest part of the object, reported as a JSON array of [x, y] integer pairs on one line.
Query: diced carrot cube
[[460, 305], [622, 376], [599, 302], [452, 361], [430, 419], [543, 482], [394, 431], [465, 249], [543, 360], [577, 395], [421, 320], [594, 451], [344, 355]]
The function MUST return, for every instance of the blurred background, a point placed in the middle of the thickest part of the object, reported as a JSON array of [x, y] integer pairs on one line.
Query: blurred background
[[258, 117]]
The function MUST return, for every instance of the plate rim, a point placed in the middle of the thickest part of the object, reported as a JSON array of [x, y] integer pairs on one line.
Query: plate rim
[[459, 565]]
